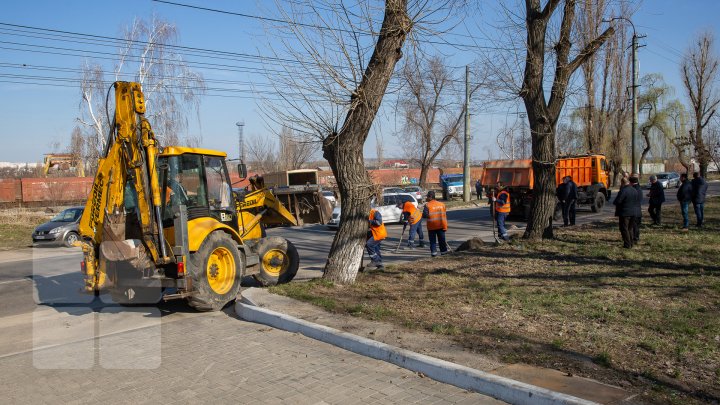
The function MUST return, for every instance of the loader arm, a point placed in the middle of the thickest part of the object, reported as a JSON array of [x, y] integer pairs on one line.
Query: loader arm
[[261, 206], [130, 160]]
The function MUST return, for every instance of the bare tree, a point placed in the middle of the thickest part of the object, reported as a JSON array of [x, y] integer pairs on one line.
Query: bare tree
[[618, 110], [652, 99], [433, 117], [679, 134], [148, 56], [543, 114], [699, 74], [295, 150], [262, 154], [379, 150], [344, 64]]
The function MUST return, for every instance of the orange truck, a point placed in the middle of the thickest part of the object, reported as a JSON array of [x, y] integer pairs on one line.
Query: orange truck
[[589, 172]]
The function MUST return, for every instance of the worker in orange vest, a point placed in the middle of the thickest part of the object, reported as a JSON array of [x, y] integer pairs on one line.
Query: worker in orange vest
[[376, 234], [434, 212], [413, 217], [502, 209]]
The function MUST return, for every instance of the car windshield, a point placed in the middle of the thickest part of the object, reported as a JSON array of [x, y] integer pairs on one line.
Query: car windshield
[[662, 176], [328, 194], [412, 189], [69, 215], [454, 179]]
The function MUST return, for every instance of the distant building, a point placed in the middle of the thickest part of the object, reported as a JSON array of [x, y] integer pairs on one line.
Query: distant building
[[395, 164]]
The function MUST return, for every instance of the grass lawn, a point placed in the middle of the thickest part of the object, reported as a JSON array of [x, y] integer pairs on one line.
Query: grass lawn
[[647, 319], [17, 225]]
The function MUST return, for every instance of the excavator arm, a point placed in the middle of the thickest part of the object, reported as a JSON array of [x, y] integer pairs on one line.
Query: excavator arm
[[129, 164]]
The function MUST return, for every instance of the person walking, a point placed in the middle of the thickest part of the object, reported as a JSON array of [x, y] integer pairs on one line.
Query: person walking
[[376, 234], [572, 197], [561, 192], [412, 215], [625, 203], [684, 195], [699, 191], [434, 212], [657, 198], [635, 183], [478, 189], [502, 209]]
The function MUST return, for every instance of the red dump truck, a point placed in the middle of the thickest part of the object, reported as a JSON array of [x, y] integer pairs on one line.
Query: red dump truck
[[589, 172]]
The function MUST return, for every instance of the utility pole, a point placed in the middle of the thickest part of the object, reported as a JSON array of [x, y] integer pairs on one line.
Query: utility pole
[[635, 167], [466, 158], [241, 140]]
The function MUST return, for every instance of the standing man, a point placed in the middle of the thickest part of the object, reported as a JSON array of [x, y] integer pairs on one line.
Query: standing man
[[657, 197], [478, 189], [572, 200], [502, 209], [635, 183], [561, 192], [699, 191], [413, 217], [376, 234], [434, 211], [684, 195], [625, 203]]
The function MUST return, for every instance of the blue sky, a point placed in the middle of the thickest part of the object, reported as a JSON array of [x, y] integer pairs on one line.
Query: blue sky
[[35, 117]]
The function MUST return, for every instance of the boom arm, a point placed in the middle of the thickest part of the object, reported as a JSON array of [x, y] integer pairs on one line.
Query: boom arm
[[131, 158]]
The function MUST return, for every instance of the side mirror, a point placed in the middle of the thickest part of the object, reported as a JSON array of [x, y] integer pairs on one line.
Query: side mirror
[[242, 171]]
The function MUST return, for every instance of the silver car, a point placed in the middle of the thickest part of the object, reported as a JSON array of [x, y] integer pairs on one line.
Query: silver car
[[63, 228], [668, 180]]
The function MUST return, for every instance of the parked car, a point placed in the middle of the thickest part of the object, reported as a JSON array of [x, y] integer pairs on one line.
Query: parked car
[[389, 210], [63, 228], [668, 180], [392, 190], [417, 191], [330, 196]]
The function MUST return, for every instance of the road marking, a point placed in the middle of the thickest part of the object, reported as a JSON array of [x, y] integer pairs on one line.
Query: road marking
[[14, 281]]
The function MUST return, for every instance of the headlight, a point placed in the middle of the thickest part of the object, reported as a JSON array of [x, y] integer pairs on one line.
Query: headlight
[[56, 230]]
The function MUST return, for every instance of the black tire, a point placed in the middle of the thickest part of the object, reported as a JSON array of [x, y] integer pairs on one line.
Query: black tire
[[279, 261], [599, 203], [215, 271], [70, 238], [139, 296]]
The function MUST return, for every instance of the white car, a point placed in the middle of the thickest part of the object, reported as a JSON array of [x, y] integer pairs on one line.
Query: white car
[[389, 210], [330, 196], [417, 191]]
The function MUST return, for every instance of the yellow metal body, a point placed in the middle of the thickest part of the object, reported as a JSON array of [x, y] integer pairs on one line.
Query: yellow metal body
[[132, 151], [131, 158]]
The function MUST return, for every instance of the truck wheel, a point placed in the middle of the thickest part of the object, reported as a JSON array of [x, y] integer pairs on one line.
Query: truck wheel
[[136, 296], [279, 261], [445, 195], [215, 271], [599, 203]]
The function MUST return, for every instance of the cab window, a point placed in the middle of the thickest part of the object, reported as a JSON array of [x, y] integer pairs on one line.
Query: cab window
[[219, 191], [183, 183]]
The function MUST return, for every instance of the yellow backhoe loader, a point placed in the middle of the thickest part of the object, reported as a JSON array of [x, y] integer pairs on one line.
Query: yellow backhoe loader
[[164, 223]]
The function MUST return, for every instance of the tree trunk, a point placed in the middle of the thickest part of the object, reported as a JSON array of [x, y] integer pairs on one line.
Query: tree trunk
[[539, 224], [344, 150], [646, 136], [423, 175]]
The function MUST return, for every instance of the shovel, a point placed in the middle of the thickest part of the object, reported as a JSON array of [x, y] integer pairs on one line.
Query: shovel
[[492, 214], [401, 236]]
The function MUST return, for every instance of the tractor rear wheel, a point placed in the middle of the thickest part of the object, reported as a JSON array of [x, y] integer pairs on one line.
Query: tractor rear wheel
[[215, 271], [279, 261]]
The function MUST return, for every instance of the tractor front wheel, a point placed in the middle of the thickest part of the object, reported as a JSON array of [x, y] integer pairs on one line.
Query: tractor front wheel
[[279, 261]]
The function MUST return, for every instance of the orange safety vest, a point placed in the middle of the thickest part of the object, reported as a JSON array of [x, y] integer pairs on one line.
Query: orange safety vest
[[378, 232], [415, 214], [436, 216], [505, 208]]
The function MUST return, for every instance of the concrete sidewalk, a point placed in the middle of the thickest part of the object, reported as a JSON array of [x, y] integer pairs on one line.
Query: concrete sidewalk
[[439, 348]]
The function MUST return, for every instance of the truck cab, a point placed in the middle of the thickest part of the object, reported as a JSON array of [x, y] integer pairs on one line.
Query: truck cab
[[452, 185]]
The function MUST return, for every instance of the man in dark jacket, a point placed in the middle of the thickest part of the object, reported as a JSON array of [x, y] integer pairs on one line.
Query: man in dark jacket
[[657, 197], [635, 183], [478, 189], [699, 191], [684, 195], [625, 203]]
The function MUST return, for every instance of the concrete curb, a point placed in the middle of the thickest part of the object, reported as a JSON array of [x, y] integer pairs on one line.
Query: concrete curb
[[501, 388]]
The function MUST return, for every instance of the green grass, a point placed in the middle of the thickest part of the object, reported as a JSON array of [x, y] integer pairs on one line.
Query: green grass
[[579, 299], [17, 225]]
